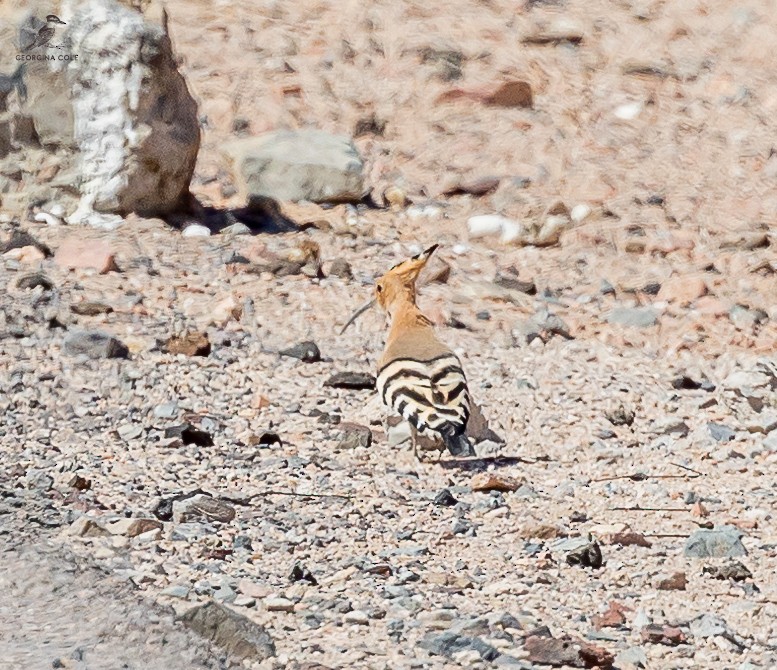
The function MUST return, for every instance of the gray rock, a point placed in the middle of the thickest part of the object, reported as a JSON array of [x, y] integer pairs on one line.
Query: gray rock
[[175, 591], [633, 657], [634, 317], [224, 594], [307, 352], [341, 268], [166, 410], [93, 344], [353, 435], [708, 625], [720, 433], [722, 542], [744, 316], [359, 381], [34, 280], [202, 507], [449, 643], [770, 443], [129, 431], [124, 91], [240, 637], [299, 165]]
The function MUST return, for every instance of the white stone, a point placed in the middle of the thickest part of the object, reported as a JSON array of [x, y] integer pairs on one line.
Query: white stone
[[484, 225], [196, 230], [629, 111], [48, 219], [580, 212]]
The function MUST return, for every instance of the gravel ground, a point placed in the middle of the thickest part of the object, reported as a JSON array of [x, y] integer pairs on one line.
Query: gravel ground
[[634, 387]]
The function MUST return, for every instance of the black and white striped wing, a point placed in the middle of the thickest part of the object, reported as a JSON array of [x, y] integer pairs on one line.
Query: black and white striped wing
[[432, 395]]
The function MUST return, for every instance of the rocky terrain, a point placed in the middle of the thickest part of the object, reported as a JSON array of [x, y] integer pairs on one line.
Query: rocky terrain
[[186, 439]]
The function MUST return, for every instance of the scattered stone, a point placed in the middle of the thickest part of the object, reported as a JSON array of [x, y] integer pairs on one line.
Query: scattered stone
[[511, 94], [559, 652], [175, 591], [79, 483], [445, 499], [587, 556], [667, 635], [478, 187], [360, 381], [93, 344], [129, 431], [85, 526], [671, 426], [489, 481], [34, 280], [682, 290], [20, 239], [341, 268], [709, 625], [620, 416], [634, 317], [133, 527], [354, 435], [735, 571], [613, 617], [195, 230], [188, 434], [512, 282], [78, 254], [558, 32], [298, 165], [299, 573], [202, 507], [87, 308], [191, 343], [508, 94], [632, 657], [307, 352], [676, 582], [720, 433], [722, 542], [276, 604], [763, 423], [630, 538], [240, 637], [450, 643], [686, 383]]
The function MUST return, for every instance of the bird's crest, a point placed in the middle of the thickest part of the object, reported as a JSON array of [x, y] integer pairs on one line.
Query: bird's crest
[[398, 281]]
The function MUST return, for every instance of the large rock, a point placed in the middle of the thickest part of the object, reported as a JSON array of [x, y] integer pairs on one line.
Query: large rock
[[298, 165], [107, 112], [240, 637]]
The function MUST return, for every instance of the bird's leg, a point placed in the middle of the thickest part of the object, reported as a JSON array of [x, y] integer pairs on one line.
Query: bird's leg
[[414, 442]]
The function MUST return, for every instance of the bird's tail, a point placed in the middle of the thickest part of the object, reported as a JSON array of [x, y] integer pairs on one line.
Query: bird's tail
[[456, 442]]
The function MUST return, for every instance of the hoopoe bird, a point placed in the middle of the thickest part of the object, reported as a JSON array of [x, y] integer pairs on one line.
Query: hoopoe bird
[[418, 376]]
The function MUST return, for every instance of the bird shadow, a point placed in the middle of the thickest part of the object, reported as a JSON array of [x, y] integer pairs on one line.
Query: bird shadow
[[481, 464], [261, 214]]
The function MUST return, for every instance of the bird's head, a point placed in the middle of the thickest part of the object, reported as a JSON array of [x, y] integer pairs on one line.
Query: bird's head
[[53, 18], [399, 283]]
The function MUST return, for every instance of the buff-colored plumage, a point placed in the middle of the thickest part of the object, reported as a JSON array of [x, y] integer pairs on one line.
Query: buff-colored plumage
[[419, 377]]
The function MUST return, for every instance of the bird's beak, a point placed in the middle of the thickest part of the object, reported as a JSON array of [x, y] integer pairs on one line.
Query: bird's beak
[[428, 252], [357, 314]]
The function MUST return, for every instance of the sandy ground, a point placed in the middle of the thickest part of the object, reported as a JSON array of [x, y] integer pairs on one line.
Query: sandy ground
[[661, 120]]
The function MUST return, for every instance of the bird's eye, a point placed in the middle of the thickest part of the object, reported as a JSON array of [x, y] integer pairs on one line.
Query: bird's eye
[[379, 288]]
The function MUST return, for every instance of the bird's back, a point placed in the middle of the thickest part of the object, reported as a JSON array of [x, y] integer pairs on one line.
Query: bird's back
[[422, 380]]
